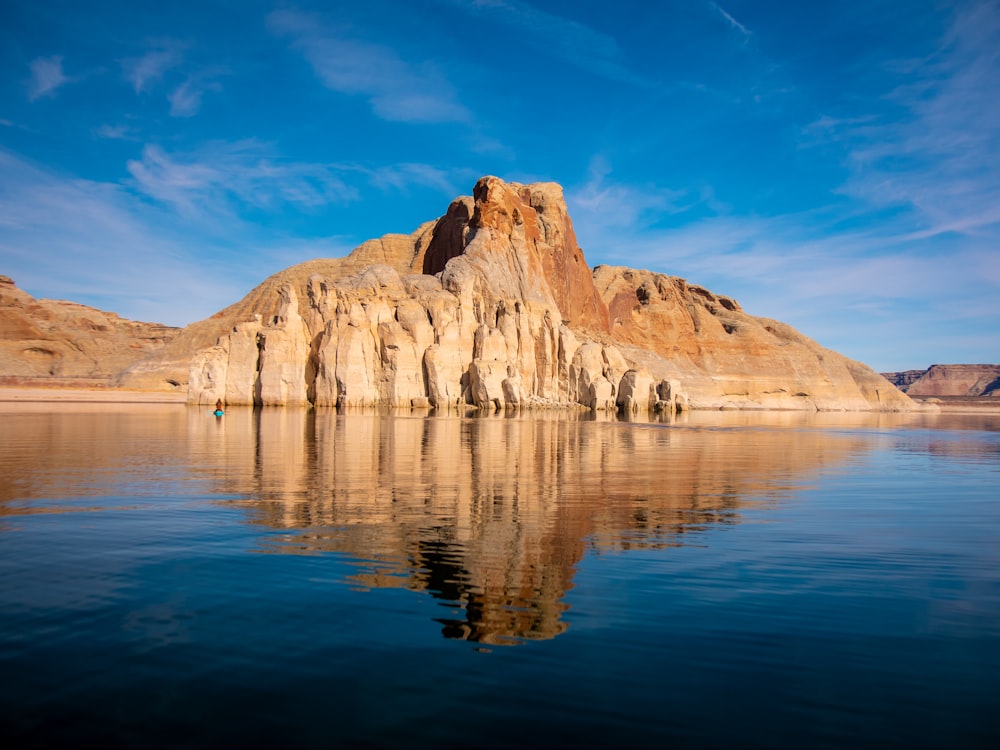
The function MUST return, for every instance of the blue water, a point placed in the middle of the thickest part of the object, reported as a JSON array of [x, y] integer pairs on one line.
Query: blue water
[[169, 578]]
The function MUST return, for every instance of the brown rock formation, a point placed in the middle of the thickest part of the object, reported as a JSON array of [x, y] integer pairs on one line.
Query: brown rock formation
[[969, 381], [493, 305], [57, 339], [726, 358], [903, 380]]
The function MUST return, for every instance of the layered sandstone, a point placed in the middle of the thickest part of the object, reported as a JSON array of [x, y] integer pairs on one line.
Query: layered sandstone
[[969, 381], [54, 339], [494, 306], [489, 328], [726, 358]]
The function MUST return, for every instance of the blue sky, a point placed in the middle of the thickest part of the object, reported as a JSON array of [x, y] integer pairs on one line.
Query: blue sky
[[834, 165]]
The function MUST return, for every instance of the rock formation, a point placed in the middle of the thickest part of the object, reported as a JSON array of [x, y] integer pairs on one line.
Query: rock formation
[[903, 380], [969, 381], [57, 339], [494, 306]]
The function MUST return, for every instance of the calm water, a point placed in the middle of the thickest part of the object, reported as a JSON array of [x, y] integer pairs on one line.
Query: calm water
[[301, 578]]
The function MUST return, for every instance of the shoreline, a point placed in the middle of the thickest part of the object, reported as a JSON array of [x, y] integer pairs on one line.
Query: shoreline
[[960, 404], [105, 395], [41, 394]]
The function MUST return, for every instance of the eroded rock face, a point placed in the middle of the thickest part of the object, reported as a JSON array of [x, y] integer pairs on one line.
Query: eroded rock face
[[493, 306], [971, 381], [725, 358], [380, 338], [489, 329], [42, 338], [903, 380]]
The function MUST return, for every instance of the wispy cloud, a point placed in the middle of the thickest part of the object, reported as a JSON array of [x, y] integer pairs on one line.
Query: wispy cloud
[[877, 294], [128, 247], [397, 90], [615, 204], [145, 71], [400, 177], [185, 100], [746, 33], [570, 41], [221, 178], [218, 175], [936, 151], [106, 249], [114, 132], [46, 77]]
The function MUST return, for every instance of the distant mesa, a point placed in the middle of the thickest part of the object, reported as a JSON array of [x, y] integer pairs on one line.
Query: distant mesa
[[493, 306], [954, 381], [54, 340]]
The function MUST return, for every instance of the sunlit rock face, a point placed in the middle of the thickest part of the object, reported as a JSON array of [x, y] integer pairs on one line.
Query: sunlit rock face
[[969, 381], [725, 358], [42, 338], [487, 323], [493, 306]]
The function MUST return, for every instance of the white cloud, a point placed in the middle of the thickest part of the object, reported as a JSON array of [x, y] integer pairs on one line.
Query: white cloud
[[175, 243], [116, 249], [113, 132], [107, 248], [401, 176], [396, 90], [732, 21], [145, 71], [613, 204], [937, 154], [46, 77], [185, 100], [220, 176]]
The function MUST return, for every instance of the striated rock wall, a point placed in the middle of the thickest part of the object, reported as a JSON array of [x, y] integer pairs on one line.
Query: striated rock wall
[[58, 339], [493, 306], [726, 358], [489, 329], [950, 380]]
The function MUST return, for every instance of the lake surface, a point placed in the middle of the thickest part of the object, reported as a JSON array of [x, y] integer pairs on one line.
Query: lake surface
[[287, 577]]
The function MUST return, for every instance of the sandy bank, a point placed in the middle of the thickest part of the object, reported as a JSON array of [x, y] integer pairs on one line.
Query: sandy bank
[[87, 395], [962, 404]]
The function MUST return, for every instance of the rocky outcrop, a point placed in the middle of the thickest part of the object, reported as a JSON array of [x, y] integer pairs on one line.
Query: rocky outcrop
[[489, 329], [493, 306], [969, 381], [903, 380], [42, 338], [726, 358]]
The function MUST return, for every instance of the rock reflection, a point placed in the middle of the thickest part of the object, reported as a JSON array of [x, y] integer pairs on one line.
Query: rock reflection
[[492, 515], [67, 453]]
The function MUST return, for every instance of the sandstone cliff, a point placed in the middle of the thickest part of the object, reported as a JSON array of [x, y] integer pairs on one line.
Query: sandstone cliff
[[970, 381], [52, 338], [493, 305]]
